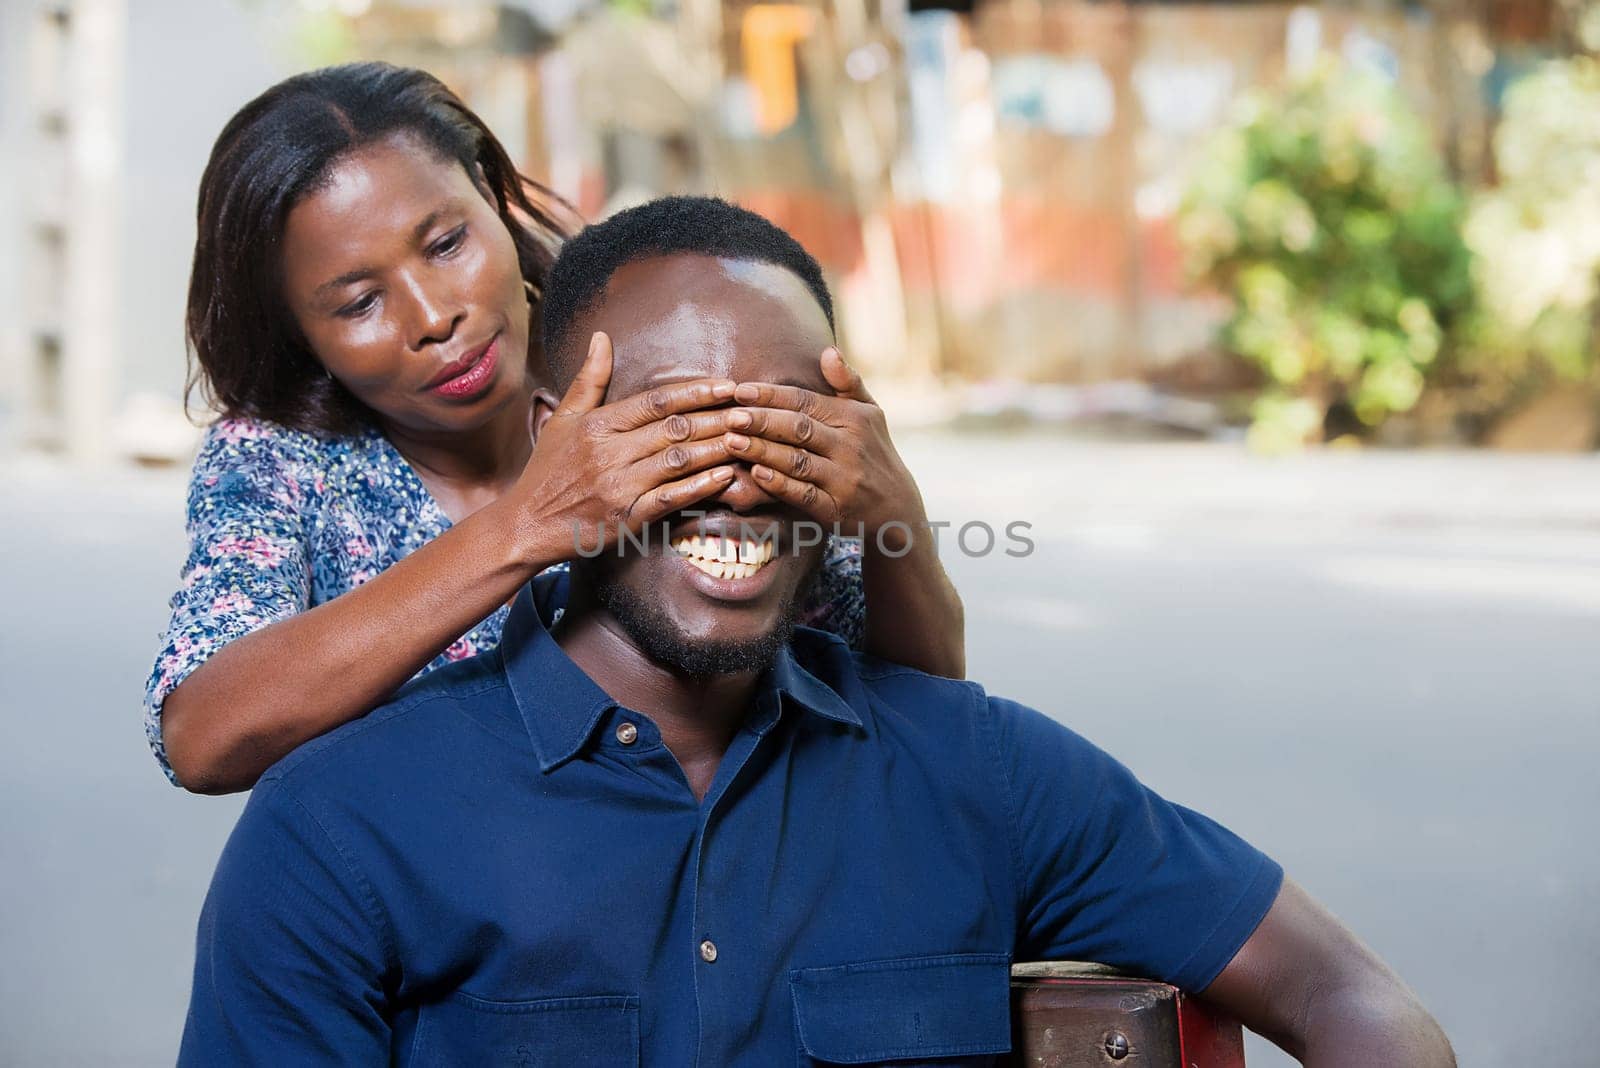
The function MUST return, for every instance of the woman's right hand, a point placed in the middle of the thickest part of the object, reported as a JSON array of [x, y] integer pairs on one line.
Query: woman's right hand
[[623, 464], [598, 468]]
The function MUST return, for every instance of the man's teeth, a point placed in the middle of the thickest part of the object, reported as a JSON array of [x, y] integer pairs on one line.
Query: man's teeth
[[722, 557]]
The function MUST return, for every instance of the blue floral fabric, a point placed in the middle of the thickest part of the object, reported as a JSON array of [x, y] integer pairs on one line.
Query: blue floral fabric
[[280, 521]]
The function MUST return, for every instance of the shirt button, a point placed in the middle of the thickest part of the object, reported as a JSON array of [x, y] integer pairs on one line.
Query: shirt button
[[708, 951], [627, 733]]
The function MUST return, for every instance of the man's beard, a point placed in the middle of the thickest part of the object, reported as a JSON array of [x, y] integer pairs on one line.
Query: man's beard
[[661, 640]]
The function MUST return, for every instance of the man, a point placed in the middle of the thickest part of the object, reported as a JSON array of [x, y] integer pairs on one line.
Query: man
[[671, 829]]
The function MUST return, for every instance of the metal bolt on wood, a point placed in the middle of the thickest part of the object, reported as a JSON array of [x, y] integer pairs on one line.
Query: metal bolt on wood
[[1116, 1045]]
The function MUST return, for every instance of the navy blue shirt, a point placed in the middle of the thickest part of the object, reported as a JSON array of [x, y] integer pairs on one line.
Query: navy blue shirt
[[503, 866]]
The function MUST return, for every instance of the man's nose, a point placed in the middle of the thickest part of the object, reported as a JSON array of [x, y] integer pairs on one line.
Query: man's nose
[[432, 311], [743, 494]]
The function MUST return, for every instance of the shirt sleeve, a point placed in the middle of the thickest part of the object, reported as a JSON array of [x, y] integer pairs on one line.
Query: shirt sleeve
[[289, 962], [1111, 872], [838, 600], [248, 563]]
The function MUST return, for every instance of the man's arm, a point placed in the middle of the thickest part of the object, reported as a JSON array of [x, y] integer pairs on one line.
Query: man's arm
[[1112, 872], [1308, 984], [289, 962]]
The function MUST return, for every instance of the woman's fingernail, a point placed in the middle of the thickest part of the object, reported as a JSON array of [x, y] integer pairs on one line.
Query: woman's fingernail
[[739, 418], [747, 393], [762, 472], [594, 342], [722, 474], [739, 441], [723, 390]]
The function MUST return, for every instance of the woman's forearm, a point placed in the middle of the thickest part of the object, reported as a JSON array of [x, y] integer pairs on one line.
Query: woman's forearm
[[269, 691], [914, 615]]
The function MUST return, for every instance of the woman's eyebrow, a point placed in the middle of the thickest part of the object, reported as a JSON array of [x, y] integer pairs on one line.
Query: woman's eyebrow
[[420, 231], [361, 274], [349, 277]]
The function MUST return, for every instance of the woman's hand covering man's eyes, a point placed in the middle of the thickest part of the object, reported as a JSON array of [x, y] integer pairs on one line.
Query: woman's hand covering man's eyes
[[830, 457], [608, 467]]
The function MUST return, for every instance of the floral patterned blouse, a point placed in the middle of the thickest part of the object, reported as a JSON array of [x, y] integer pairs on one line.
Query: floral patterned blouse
[[280, 521]]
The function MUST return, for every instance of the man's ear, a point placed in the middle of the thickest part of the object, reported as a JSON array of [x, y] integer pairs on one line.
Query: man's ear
[[545, 403]]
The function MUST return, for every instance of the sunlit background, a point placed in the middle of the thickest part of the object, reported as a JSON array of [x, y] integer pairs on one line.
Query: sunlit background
[[1278, 322]]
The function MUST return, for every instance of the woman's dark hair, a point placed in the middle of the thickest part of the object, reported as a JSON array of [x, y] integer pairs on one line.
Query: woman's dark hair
[[249, 355]]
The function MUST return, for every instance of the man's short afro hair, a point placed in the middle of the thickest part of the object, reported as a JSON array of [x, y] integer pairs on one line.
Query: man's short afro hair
[[669, 226]]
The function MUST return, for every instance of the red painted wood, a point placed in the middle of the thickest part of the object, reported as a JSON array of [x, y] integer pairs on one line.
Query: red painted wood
[[1065, 1020], [1206, 1039]]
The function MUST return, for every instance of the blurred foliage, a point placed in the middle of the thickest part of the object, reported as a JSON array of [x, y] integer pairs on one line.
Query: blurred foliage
[[322, 38], [1537, 234], [1324, 211]]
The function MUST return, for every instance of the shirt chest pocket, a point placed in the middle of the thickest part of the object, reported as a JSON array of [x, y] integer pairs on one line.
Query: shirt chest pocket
[[470, 1032], [945, 1010]]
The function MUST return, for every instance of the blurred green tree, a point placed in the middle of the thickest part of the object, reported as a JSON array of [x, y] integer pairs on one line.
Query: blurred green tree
[[1537, 233], [1323, 210]]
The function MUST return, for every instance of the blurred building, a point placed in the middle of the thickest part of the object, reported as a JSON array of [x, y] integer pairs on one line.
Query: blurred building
[[990, 185], [107, 112], [66, 123]]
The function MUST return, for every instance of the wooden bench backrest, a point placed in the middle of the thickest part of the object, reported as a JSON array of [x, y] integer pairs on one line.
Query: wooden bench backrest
[[1068, 1014]]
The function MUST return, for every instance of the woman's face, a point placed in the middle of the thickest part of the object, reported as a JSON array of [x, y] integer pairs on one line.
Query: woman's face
[[405, 282]]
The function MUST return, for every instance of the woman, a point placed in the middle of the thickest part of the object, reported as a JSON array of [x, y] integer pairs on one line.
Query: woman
[[361, 311]]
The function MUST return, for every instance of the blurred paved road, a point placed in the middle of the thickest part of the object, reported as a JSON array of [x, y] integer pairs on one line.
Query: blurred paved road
[[1381, 668]]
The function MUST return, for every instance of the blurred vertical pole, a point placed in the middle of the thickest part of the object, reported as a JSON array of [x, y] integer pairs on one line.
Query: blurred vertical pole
[[90, 305], [43, 139], [926, 48], [71, 221], [559, 113], [1123, 151], [1462, 57], [701, 24], [867, 163], [12, 339]]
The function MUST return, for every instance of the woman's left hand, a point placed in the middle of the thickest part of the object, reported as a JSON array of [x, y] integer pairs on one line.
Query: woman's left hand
[[830, 457]]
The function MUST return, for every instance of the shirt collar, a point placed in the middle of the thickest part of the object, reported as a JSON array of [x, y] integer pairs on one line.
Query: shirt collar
[[561, 705], [788, 678]]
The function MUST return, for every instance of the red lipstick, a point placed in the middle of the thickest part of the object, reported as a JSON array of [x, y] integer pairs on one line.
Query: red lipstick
[[469, 375]]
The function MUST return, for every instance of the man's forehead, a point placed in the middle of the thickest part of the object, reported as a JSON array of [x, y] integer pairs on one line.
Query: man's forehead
[[672, 318]]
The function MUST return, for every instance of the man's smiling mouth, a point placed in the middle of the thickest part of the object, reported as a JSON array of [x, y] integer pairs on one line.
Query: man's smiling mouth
[[725, 558]]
